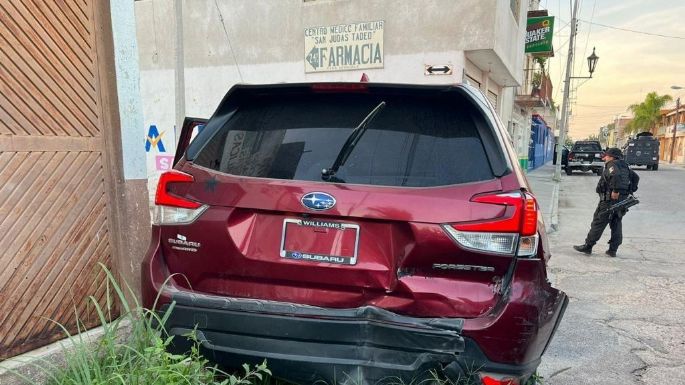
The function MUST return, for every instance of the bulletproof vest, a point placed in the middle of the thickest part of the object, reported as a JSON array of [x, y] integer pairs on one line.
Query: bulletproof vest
[[621, 176]]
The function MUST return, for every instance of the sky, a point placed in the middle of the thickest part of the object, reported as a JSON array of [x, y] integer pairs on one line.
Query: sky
[[630, 64]]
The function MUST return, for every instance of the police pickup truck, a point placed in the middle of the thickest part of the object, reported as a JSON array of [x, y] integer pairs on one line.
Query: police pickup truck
[[585, 155]]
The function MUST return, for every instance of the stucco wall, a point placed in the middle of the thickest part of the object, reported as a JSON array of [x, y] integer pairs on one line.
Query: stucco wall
[[262, 41]]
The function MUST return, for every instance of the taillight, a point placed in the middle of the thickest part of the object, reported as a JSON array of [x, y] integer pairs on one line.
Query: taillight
[[493, 379], [514, 233], [571, 155], [171, 209], [529, 221]]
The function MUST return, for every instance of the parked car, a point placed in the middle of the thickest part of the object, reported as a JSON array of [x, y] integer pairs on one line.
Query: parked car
[[354, 229], [585, 155], [643, 150]]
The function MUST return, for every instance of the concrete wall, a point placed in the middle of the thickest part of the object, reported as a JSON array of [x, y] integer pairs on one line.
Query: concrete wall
[[262, 41]]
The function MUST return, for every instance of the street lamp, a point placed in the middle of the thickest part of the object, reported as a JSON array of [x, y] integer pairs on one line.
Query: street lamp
[[675, 124], [591, 64], [592, 61]]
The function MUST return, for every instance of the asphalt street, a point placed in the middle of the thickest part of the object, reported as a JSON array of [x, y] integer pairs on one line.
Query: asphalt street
[[625, 320]]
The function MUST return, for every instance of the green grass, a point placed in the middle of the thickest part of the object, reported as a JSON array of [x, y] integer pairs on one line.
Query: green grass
[[138, 358]]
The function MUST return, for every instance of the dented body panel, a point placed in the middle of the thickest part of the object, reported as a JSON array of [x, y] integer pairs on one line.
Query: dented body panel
[[315, 274]]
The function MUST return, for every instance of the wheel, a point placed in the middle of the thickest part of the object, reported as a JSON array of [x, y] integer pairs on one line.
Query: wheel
[[598, 172], [655, 167], [568, 171], [649, 167]]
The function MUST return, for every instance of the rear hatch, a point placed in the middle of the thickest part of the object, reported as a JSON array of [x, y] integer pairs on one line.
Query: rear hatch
[[393, 197], [642, 151]]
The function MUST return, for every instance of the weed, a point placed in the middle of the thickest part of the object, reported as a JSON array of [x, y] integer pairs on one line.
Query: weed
[[142, 358]]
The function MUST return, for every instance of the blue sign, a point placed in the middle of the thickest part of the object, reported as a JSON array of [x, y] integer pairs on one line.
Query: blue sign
[[154, 139]]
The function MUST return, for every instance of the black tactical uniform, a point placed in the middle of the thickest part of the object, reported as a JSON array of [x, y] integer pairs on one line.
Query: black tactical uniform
[[615, 178]]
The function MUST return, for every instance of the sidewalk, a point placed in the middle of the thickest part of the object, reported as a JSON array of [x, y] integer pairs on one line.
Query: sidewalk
[[544, 188]]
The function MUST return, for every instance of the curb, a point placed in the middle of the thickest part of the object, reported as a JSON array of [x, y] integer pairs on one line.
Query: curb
[[555, 208]]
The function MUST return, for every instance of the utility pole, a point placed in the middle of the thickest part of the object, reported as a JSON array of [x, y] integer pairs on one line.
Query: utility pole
[[675, 128], [567, 89], [179, 83]]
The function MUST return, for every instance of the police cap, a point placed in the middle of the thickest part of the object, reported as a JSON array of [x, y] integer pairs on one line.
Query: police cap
[[614, 152]]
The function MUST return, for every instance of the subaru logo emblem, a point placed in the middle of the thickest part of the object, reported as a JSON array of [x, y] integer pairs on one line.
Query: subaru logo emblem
[[318, 201]]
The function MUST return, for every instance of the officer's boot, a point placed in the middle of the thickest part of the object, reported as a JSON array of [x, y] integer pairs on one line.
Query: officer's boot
[[611, 253], [584, 248]]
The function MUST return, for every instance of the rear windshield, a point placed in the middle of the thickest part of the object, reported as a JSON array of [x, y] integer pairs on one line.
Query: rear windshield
[[587, 147], [413, 141]]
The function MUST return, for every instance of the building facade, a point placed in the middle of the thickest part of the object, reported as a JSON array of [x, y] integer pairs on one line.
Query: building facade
[[479, 42], [664, 133]]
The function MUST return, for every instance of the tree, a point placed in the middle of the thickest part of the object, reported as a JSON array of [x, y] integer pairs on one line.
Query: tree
[[593, 137], [648, 113], [569, 141]]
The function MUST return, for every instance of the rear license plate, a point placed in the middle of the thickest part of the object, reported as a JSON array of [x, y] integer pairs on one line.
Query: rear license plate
[[320, 241]]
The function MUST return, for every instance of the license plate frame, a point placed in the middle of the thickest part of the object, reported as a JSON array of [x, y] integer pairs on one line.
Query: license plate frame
[[319, 257]]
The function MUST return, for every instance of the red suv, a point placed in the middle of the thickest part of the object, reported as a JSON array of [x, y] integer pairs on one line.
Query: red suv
[[353, 229]]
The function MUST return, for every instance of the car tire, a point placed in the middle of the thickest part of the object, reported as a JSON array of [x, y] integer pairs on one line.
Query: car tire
[[568, 171], [649, 167], [655, 167]]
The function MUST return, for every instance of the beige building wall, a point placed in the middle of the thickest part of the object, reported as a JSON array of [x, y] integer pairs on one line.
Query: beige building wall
[[262, 41]]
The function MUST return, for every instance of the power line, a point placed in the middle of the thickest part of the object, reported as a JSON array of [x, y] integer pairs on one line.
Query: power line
[[596, 106], [589, 31], [228, 39], [633, 31]]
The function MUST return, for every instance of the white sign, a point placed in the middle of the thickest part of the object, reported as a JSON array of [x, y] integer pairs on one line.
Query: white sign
[[344, 47], [441, 69]]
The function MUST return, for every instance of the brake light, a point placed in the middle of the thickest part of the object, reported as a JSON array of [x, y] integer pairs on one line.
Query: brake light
[[171, 209], [340, 87], [571, 155], [164, 198], [529, 225], [513, 233], [489, 379]]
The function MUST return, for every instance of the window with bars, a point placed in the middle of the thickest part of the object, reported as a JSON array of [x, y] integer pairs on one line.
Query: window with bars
[[493, 98], [471, 81]]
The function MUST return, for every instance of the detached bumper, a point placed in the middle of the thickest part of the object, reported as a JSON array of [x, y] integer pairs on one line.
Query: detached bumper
[[306, 344]]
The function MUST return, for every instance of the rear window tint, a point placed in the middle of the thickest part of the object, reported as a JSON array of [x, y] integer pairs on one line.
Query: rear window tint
[[413, 141], [581, 147]]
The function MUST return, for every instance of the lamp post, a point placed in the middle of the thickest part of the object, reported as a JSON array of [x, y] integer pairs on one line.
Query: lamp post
[[592, 65], [675, 124]]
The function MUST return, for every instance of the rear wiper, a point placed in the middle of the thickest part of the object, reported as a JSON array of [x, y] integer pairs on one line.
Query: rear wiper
[[328, 174]]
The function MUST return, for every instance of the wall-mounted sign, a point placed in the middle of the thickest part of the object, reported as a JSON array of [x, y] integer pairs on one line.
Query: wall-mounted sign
[[442, 69], [539, 32], [153, 139], [344, 47], [164, 162]]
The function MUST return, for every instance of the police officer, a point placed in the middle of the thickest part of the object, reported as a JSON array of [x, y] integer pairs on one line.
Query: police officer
[[613, 187]]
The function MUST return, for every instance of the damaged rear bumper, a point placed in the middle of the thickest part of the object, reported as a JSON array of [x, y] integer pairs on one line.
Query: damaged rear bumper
[[307, 344]]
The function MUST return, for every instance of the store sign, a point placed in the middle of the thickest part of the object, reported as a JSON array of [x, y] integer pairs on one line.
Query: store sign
[[344, 47], [539, 32]]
